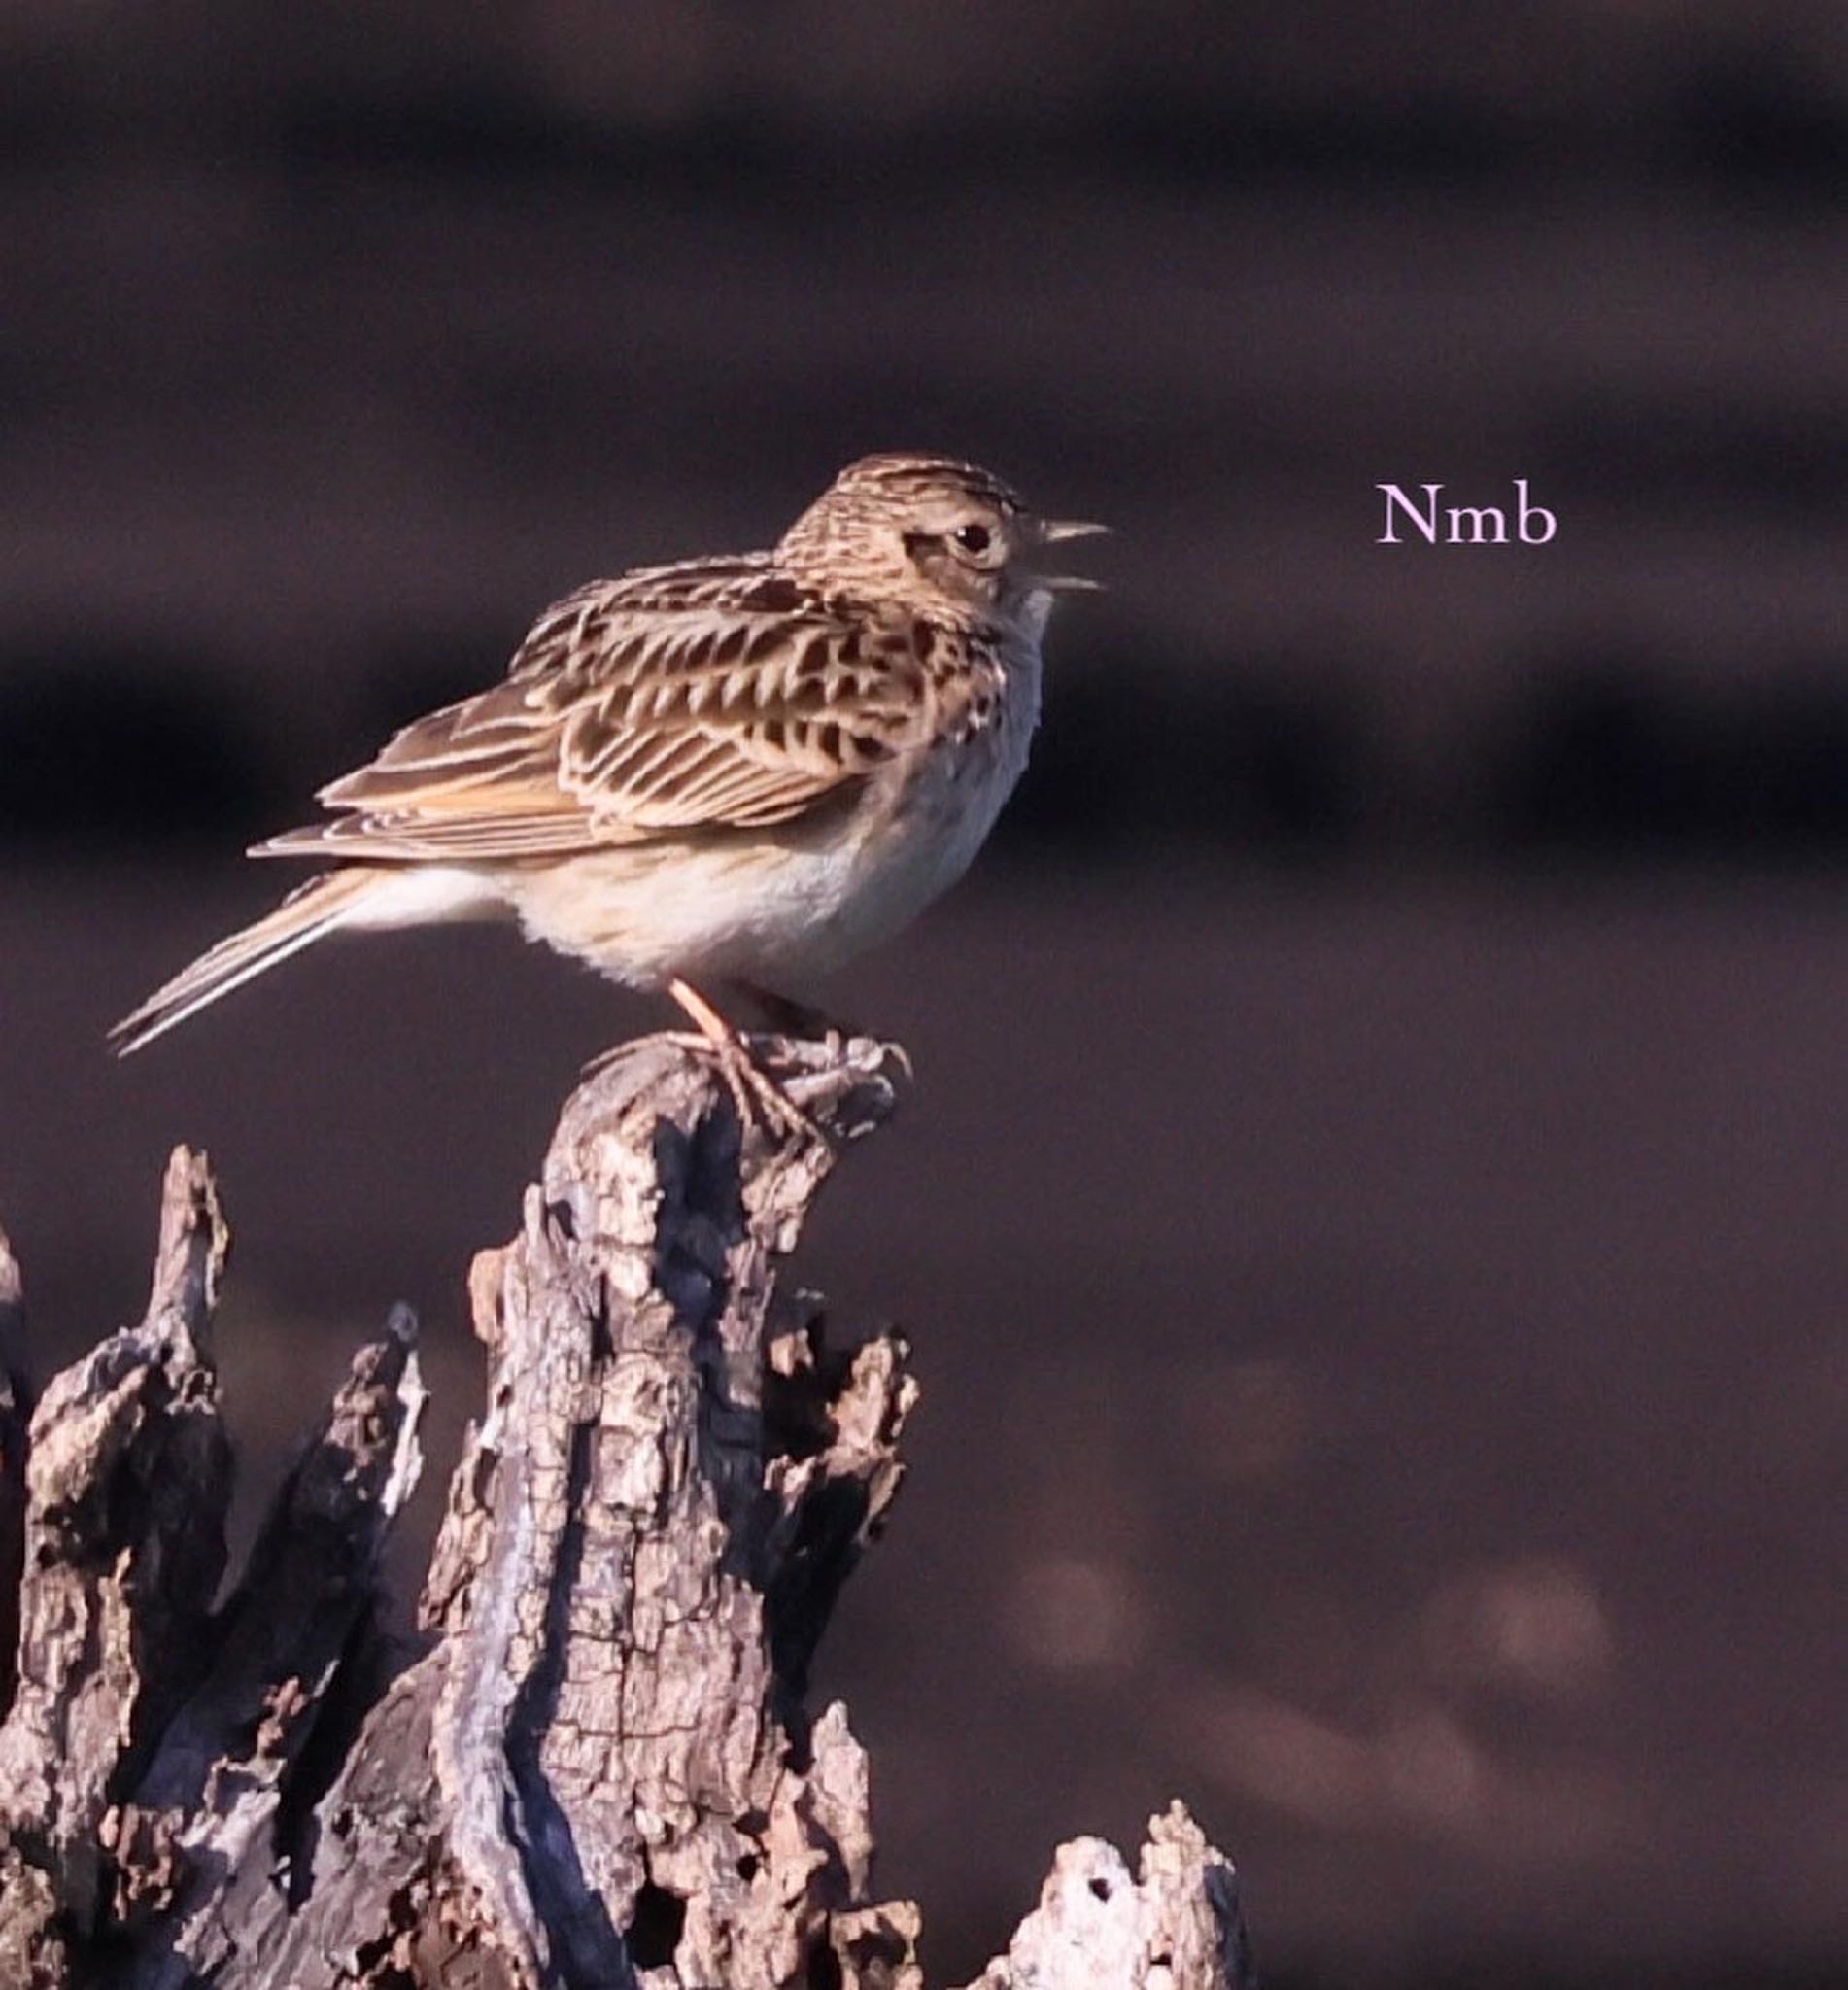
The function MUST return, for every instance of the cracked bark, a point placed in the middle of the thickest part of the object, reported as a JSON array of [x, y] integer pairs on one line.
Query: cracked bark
[[596, 1766]]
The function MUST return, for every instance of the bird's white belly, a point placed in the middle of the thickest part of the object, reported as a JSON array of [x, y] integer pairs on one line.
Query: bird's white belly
[[758, 908]]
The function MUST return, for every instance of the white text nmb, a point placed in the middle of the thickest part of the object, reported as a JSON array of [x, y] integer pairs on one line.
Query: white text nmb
[[1463, 525]]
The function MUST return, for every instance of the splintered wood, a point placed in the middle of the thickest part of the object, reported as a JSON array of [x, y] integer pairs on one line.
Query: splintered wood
[[598, 1765]]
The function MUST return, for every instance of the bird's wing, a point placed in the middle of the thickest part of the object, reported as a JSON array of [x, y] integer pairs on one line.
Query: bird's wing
[[710, 696]]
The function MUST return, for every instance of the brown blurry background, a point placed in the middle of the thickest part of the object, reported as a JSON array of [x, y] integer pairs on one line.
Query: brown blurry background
[[1370, 1216]]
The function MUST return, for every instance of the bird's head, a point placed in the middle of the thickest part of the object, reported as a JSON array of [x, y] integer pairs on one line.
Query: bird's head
[[939, 536]]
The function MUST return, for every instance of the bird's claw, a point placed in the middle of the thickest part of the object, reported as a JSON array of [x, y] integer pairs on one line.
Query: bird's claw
[[761, 1101]]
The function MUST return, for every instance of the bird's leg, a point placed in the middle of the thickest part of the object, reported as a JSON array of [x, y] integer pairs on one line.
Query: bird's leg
[[758, 1095]]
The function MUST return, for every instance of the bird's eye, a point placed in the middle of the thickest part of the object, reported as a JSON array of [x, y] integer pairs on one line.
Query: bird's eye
[[975, 539]]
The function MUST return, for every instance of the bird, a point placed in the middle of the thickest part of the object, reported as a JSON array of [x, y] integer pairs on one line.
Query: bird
[[705, 777]]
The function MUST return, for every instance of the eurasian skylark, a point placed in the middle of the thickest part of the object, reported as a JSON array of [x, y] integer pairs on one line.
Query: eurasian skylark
[[715, 773]]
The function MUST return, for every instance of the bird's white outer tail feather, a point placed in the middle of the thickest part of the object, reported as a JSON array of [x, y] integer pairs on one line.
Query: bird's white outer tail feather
[[336, 899]]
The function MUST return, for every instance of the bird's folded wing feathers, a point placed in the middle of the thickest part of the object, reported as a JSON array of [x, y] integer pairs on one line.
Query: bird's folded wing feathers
[[685, 700]]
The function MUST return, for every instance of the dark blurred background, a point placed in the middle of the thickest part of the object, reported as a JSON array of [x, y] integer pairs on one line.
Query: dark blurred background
[[1371, 1213]]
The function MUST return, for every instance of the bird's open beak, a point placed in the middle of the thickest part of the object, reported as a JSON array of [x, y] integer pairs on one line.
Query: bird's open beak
[[1053, 532]]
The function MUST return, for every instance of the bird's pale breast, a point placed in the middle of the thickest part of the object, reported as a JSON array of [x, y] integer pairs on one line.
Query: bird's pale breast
[[803, 900]]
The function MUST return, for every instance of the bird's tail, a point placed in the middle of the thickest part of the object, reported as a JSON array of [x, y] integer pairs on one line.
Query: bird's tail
[[306, 916]]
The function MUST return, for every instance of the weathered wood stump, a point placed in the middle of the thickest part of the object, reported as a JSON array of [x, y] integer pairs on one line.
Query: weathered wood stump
[[596, 1766]]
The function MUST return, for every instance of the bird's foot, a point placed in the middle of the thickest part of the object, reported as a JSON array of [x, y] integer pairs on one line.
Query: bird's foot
[[762, 1103], [847, 1077], [788, 1089]]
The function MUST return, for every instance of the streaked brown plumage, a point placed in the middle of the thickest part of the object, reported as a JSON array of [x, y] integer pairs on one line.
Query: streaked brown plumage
[[723, 768]]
